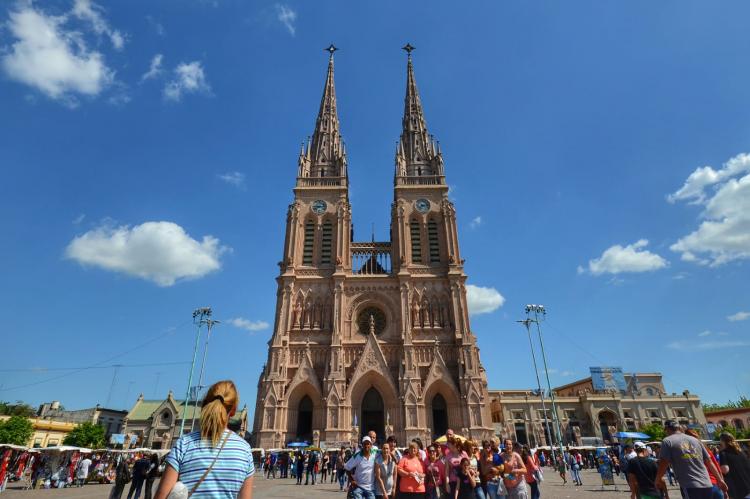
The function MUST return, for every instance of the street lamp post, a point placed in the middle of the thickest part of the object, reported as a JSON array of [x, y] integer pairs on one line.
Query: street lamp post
[[198, 319], [209, 325], [527, 323], [539, 309]]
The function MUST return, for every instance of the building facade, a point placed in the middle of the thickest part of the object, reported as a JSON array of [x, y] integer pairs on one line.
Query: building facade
[[47, 432], [110, 419], [738, 418], [588, 413], [155, 423], [371, 335]]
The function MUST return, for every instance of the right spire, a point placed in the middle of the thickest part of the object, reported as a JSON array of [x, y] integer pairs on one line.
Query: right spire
[[417, 155]]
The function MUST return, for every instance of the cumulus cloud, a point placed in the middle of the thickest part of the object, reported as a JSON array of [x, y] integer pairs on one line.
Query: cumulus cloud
[[483, 300], [287, 17], [87, 10], [236, 179], [724, 233], [158, 27], [188, 78], [161, 252], [248, 325], [154, 68], [631, 258], [739, 316], [51, 58], [475, 222]]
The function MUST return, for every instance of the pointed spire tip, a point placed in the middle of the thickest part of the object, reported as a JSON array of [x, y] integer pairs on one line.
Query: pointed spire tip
[[408, 48]]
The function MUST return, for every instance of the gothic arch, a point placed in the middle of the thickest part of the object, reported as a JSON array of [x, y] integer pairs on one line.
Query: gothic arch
[[380, 300], [295, 396]]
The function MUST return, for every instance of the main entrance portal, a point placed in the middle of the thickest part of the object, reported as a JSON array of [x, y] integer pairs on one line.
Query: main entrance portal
[[373, 417], [304, 420]]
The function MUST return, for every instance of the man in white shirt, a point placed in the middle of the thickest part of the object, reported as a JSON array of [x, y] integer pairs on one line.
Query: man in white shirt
[[361, 471], [83, 471]]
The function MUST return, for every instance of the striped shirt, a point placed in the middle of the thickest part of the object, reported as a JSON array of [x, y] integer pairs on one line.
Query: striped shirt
[[191, 457]]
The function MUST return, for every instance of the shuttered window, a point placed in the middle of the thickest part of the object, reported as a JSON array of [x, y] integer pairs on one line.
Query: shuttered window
[[307, 251], [326, 243], [416, 242], [432, 237]]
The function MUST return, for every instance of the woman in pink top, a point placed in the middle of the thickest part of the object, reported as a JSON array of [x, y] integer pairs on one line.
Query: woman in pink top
[[411, 474], [434, 473], [453, 464]]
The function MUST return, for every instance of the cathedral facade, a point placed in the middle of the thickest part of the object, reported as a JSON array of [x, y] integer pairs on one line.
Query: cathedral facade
[[371, 335]]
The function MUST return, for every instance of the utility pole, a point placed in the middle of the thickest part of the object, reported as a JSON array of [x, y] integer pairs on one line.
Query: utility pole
[[539, 309], [209, 325], [527, 323], [199, 317]]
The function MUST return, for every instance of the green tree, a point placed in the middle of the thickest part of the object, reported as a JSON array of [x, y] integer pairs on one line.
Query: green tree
[[16, 430], [86, 435], [653, 430], [17, 409], [742, 403]]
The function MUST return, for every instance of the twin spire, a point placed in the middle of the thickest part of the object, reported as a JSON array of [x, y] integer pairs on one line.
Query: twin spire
[[324, 155]]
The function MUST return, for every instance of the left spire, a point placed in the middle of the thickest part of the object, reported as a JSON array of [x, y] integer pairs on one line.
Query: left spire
[[324, 155]]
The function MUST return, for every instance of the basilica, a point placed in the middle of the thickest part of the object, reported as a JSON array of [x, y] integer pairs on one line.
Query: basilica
[[371, 335]]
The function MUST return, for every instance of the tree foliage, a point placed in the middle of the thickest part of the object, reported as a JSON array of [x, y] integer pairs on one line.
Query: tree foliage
[[17, 409], [654, 430], [86, 435], [742, 403], [16, 430]]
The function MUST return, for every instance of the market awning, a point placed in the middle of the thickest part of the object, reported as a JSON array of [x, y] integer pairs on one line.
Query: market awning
[[632, 434]]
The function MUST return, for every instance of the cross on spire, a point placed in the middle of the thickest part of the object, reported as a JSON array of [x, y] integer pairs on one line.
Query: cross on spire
[[408, 47], [331, 49]]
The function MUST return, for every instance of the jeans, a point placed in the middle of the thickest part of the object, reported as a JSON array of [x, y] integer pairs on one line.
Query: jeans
[[494, 491], [535, 494], [717, 492], [479, 492], [149, 486], [360, 493], [117, 490], [702, 493], [136, 487], [341, 475], [576, 475]]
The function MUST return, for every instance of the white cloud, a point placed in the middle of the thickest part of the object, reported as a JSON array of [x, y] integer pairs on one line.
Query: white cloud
[[704, 334], [475, 222], [236, 179], [697, 346], [89, 11], [53, 59], [158, 27], [287, 17], [161, 252], [739, 316], [724, 233], [631, 258], [483, 300], [77, 220], [154, 68], [189, 78], [249, 325]]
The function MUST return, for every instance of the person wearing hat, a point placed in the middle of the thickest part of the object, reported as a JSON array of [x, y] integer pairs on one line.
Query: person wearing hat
[[361, 471], [690, 462], [642, 476]]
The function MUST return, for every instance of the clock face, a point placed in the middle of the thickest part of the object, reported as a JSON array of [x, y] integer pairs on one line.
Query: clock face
[[319, 206], [422, 205]]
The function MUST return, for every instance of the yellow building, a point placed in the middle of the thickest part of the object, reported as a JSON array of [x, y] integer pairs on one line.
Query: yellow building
[[47, 432]]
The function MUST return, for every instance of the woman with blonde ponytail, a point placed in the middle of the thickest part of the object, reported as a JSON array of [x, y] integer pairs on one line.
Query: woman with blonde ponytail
[[214, 462]]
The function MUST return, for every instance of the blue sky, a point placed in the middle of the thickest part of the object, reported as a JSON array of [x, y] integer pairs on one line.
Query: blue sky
[[596, 153]]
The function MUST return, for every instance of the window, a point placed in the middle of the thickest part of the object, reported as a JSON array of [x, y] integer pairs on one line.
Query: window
[[52, 443], [518, 415], [653, 413], [326, 243], [680, 413], [432, 237], [307, 251], [650, 391], [541, 414], [630, 425], [37, 443], [416, 242], [570, 414]]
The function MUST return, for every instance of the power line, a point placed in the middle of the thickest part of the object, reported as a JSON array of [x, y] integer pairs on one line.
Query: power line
[[45, 369], [110, 359]]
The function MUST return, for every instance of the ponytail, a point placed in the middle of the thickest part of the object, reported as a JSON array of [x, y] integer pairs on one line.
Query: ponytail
[[220, 400]]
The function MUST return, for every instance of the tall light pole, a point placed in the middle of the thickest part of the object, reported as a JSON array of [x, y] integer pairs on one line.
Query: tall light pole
[[539, 309], [199, 316], [209, 325], [527, 323]]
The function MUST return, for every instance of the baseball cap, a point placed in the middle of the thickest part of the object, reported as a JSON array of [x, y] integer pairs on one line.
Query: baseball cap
[[671, 424], [639, 445], [366, 439]]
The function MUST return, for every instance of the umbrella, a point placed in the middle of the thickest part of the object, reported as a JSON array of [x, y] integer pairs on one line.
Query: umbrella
[[316, 449], [632, 434], [444, 439], [297, 444]]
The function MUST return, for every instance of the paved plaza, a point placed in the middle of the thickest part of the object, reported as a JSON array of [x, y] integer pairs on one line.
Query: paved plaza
[[287, 488]]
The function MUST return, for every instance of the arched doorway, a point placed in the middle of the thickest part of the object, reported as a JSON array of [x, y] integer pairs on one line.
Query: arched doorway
[[607, 420], [373, 417], [439, 416], [304, 419]]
